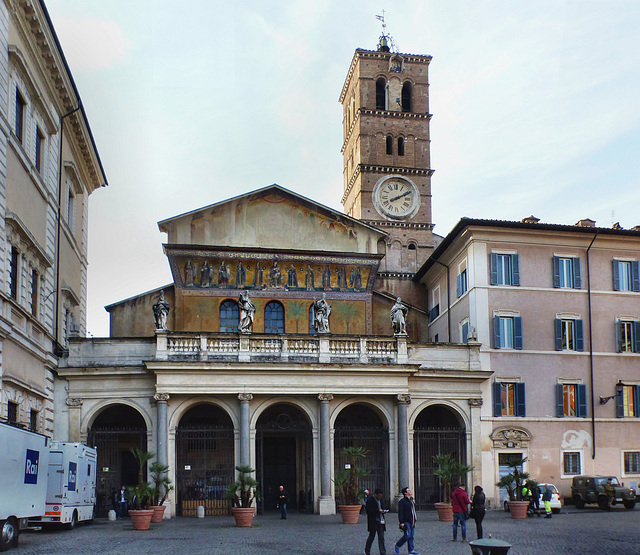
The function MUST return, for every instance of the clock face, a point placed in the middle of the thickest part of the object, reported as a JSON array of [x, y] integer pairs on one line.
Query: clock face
[[396, 198]]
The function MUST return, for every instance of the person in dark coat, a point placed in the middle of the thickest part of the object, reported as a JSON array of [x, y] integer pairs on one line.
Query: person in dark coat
[[407, 519], [282, 502], [477, 507], [375, 522]]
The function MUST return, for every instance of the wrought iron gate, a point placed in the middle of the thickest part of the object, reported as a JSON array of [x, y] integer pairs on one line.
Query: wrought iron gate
[[426, 444], [376, 441], [116, 465], [205, 466]]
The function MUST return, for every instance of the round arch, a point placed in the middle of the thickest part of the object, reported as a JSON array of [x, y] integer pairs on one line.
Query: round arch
[[184, 406]]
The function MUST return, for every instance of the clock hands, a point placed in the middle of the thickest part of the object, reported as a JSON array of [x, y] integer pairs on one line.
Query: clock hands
[[400, 196]]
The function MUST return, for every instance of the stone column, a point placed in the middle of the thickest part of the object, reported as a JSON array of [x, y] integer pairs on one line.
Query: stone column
[[404, 400], [245, 442], [75, 414], [161, 400], [326, 504], [475, 447]]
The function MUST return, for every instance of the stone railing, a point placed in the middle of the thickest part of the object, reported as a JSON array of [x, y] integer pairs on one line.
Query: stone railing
[[245, 348]]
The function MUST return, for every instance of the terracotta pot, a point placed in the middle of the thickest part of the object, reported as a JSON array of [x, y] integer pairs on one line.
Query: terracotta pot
[[349, 513], [518, 509], [243, 515], [140, 520], [158, 512], [445, 512]]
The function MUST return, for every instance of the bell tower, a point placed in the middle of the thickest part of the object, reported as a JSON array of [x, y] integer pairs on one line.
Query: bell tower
[[386, 154]]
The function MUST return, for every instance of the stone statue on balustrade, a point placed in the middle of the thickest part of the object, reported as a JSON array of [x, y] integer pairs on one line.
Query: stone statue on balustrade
[[247, 312], [161, 312], [321, 312], [398, 317]]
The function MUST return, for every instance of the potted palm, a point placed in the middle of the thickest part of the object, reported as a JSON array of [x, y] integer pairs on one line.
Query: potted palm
[[141, 494], [347, 484], [513, 483], [448, 468], [242, 492], [161, 488]]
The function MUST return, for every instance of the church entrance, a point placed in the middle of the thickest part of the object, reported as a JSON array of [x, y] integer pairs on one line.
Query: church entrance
[[115, 431], [204, 455], [284, 458], [437, 431]]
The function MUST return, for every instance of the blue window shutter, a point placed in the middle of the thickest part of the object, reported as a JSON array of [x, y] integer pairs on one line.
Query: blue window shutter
[[459, 285], [636, 337], [558, 326], [559, 400], [517, 332], [520, 402], [579, 335], [616, 276], [635, 276], [515, 269], [619, 406], [582, 400], [618, 329], [577, 274], [493, 269], [497, 399], [636, 400], [496, 332], [556, 271]]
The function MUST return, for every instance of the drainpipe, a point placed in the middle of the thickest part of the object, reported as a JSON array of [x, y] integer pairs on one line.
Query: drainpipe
[[58, 349], [593, 403], [448, 302]]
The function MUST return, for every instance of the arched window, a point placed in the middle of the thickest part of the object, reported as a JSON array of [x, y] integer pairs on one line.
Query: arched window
[[381, 94], [229, 316], [400, 146], [389, 144], [406, 97], [274, 317]]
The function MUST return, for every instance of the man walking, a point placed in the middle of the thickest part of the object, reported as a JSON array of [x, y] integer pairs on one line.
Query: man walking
[[282, 503], [375, 522], [407, 519]]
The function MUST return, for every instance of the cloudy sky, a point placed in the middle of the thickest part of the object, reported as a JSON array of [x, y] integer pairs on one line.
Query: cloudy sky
[[536, 110]]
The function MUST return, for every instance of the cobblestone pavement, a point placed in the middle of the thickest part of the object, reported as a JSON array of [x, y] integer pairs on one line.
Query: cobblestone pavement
[[590, 531]]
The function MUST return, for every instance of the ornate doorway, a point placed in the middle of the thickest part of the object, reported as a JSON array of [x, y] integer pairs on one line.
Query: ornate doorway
[[115, 431], [437, 431]]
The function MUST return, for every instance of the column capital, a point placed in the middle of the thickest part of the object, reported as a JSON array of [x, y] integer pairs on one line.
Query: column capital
[[74, 402], [161, 397], [475, 402], [325, 397], [404, 398], [245, 396]]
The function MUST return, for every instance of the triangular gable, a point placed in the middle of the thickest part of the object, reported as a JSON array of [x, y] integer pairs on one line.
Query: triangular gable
[[272, 218]]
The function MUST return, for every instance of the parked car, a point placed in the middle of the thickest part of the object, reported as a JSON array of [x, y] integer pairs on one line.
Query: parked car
[[556, 502], [590, 489]]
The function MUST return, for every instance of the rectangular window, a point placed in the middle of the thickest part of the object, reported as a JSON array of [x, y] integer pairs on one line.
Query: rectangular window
[[632, 462], [569, 334], [571, 400], [12, 412], [626, 275], [39, 148], [504, 269], [571, 463], [566, 272], [33, 420], [630, 400], [35, 281], [628, 333], [464, 332], [19, 123], [71, 209], [508, 399], [507, 332], [461, 283], [14, 268]]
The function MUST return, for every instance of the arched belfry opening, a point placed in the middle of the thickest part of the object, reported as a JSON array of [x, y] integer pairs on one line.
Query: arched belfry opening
[[381, 94], [115, 431], [204, 460], [284, 457], [438, 430]]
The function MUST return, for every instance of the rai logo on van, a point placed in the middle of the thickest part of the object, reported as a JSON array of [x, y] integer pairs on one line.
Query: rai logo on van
[[31, 467]]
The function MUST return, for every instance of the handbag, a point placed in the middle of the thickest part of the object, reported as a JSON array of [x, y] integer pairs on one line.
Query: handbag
[[466, 515], [473, 512]]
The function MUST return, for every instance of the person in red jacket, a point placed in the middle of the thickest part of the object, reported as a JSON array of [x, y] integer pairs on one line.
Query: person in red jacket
[[460, 502]]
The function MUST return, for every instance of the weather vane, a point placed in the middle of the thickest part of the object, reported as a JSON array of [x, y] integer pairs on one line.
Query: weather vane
[[388, 38]]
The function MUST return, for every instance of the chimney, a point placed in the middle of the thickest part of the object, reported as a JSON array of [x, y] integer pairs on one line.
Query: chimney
[[530, 220], [586, 223], [635, 228], [616, 226]]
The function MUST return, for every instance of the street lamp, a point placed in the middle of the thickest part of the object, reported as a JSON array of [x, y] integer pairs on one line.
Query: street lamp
[[619, 387]]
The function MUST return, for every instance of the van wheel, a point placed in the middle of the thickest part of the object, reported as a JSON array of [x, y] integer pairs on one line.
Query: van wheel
[[629, 504], [603, 502], [74, 520], [579, 503], [8, 534]]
